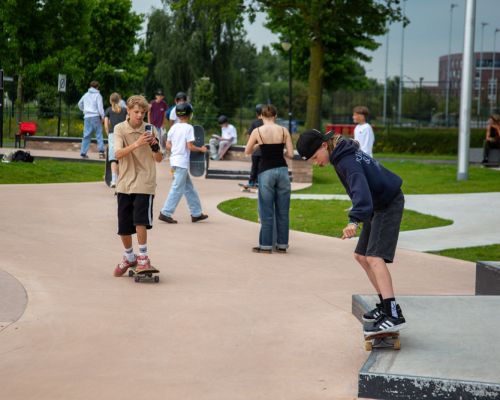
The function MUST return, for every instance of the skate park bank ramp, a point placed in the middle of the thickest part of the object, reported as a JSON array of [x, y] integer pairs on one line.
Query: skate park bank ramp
[[450, 350], [13, 300]]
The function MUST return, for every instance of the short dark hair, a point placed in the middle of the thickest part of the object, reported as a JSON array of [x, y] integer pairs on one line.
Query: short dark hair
[[94, 84], [361, 110]]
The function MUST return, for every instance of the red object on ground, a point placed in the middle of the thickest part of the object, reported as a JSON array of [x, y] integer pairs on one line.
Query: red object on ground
[[340, 129], [25, 128]]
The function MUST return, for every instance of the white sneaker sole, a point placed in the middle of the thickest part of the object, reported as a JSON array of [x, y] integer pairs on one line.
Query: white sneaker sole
[[392, 329]]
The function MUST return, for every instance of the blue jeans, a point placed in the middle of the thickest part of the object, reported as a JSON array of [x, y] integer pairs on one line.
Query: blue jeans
[[92, 124], [182, 185], [274, 204]]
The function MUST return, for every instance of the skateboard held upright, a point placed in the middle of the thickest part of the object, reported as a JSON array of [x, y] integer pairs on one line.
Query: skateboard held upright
[[197, 159], [107, 168]]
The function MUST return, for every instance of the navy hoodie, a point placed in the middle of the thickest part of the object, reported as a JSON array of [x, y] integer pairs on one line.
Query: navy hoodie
[[369, 185]]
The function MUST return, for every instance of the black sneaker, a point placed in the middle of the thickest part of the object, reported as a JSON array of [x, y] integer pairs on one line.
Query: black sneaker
[[261, 250], [84, 156], [373, 315], [102, 155], [385, 324], [199, 218], [168, 220], [280, 250]]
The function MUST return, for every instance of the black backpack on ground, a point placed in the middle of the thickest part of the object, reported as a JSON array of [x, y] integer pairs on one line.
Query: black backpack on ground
[[21, 155]]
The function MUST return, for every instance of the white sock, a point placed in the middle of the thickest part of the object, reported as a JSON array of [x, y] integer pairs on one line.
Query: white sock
[[113, 177], [129, 254], [143, 249]]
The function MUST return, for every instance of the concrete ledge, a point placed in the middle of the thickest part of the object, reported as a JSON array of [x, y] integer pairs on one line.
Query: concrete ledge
[[488, 278], [449, 351], [476, 156], [302, 171], [59, 143], [13, 300]]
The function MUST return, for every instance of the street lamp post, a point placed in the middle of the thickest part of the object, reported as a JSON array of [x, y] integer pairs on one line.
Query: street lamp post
[[400, 95], [480, 70], [493, 102], [385, 75], [448, 67], [287, 46], [242, 71], [117, 71]]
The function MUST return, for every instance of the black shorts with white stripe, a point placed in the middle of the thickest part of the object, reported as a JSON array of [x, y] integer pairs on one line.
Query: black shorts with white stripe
[[133, 210]]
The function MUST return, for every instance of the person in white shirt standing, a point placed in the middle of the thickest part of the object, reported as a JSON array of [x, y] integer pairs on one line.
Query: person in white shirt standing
[[93, 117], [363, 133], [180, 143], [219, 145]]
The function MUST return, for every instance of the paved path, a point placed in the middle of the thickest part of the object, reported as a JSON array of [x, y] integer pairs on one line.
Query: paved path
[[223, 323], [475, 223]]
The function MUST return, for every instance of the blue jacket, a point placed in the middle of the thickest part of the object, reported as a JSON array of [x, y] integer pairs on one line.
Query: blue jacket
[[369, 185]]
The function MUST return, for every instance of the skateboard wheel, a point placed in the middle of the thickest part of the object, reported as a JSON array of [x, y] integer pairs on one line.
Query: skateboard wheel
[[397, 344], [130, 273], [368, 345], [157, 279], [137, 279]]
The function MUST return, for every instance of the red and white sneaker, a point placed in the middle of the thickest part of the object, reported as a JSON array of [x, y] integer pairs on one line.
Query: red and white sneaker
[[143, 264], [124, 265]]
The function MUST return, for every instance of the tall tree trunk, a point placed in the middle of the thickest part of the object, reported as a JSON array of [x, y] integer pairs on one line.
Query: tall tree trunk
[[316, 72]]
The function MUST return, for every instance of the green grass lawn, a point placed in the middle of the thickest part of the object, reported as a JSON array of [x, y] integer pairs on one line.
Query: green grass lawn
[[50, 171], [323, 217], [418, 178], [480, 253]]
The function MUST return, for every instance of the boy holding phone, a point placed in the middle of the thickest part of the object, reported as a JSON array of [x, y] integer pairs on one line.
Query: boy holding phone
[[137, 149]]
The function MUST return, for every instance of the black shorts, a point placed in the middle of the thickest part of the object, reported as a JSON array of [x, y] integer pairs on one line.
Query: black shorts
[[134, 209], [379, 236]]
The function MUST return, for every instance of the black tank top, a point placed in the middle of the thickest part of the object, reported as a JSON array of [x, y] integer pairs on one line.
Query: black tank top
[[272, 154], [493, 132]]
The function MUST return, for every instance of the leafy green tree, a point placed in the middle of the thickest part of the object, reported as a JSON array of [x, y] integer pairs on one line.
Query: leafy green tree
[[204, 98], [40, 40], [191, 39], [327, 38], [111, 57]]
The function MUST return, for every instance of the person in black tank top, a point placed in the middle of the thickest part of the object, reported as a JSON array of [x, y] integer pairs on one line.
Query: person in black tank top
[[274, 181], [492, 140]]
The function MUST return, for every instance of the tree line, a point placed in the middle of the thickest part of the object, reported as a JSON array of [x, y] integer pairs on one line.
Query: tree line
[[196, 46]]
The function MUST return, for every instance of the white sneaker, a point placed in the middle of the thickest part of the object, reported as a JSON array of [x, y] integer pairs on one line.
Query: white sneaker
[[112, 185]]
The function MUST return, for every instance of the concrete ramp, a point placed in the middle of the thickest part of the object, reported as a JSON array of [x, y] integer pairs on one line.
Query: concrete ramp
[[450, 350]]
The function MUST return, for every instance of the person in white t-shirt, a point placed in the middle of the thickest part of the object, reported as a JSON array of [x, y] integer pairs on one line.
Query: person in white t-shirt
[[180, 98], [180, 143], [219, 145], [363, 132]]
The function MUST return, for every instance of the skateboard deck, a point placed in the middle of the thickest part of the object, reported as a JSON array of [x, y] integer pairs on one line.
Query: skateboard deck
[[144, 275], [196, 159], [248, 188], [107, 169], [382, 341]]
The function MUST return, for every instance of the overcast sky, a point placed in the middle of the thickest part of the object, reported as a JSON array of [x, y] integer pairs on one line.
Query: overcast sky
[[426, 37]]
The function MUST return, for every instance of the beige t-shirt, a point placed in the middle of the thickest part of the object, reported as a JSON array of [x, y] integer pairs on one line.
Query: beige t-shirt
[[137, 169]]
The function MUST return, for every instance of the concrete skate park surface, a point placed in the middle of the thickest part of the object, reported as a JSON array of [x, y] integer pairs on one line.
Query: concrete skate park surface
[[223, 323]]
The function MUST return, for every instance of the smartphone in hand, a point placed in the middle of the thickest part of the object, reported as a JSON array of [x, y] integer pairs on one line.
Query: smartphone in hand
[[149, 129]]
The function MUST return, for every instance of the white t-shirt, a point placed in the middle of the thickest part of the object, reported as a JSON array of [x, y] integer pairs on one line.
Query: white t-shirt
[[173, 116], [363, 133], [180, 134], [229, 132]]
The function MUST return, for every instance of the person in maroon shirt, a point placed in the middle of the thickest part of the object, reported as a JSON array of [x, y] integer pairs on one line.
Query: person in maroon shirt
[[156, 114]]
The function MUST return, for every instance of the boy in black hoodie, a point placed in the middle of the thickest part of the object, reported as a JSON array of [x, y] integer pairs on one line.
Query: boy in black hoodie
[[377, 203]]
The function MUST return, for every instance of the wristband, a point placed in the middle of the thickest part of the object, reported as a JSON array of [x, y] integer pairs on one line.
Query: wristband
[[155, 147], [354, 223]]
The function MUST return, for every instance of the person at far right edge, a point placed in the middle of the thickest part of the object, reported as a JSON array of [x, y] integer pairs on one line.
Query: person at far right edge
[[377, 205]]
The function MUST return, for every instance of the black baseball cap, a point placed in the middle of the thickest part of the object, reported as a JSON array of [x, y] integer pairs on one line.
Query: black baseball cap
[[310, 141], [183, 109], [159, 92]]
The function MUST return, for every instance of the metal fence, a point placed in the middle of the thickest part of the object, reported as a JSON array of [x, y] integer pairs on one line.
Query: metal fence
[[422, 103]]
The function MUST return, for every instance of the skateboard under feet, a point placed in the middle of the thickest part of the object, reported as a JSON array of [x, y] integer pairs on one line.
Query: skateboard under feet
[[382, 341], [149, 275]]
